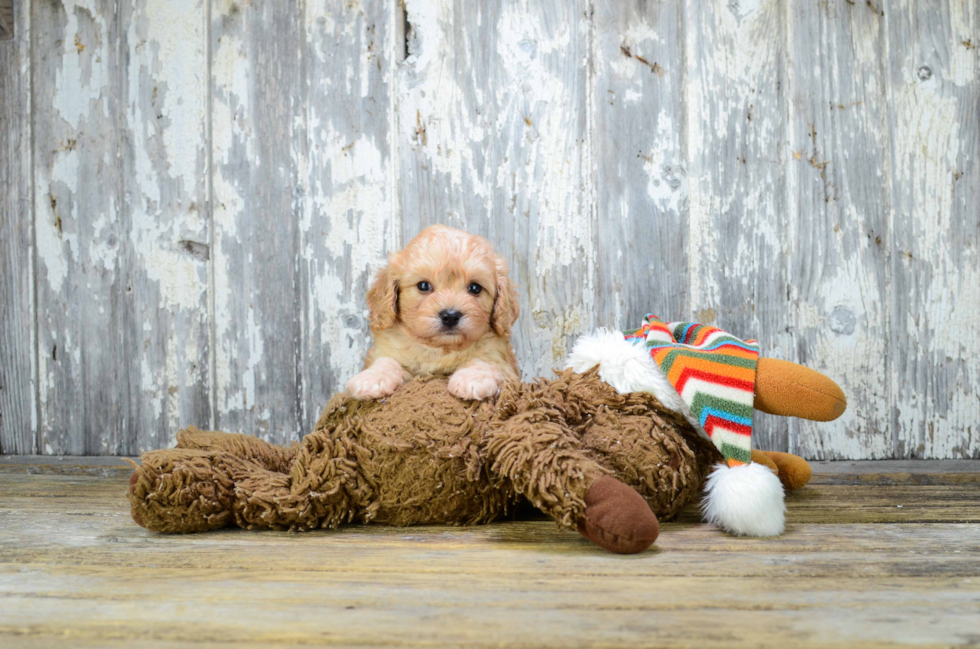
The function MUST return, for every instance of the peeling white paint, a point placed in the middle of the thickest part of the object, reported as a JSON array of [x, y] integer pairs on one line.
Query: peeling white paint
[[228, 206], [667, 186], [84, 70], [964, 36], [120, 164], [179, 277], [347, 221], [50, 251], [175, 33], [498, 137], [931, 412], [433, 117], [230, 116]]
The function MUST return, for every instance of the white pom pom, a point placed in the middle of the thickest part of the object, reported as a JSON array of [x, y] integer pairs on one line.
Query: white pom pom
[[745, 500], [625, 365]]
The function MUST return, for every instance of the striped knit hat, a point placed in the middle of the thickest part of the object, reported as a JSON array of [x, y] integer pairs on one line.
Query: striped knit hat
[[707, 375], [714, 374]]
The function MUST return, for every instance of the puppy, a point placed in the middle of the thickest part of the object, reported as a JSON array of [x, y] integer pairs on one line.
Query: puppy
[[443, 306]]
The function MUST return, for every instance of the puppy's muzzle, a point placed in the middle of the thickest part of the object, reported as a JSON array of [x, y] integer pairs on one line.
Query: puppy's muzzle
[[450, 318]]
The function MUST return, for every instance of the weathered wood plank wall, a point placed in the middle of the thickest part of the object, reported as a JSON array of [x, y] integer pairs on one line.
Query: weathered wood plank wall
[[121, 217], [18, 412], [933, 98], [837, 178], [303, 202], [196, 193]]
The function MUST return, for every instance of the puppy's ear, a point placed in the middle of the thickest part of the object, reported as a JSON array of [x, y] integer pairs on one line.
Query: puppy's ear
[[382, 299], [506, 305]]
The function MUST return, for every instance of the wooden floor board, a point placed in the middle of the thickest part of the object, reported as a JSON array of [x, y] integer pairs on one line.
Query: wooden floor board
[[865, 561]]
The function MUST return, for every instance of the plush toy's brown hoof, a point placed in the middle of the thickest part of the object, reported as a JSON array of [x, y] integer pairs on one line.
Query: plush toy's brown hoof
[[132, 487], [617, 518]]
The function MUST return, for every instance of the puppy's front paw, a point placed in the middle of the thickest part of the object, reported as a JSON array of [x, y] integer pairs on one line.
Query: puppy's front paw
[[473, 383], [373, 385], [377, 382]]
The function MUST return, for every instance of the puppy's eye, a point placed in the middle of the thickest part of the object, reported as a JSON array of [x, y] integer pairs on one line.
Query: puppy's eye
[[475, 289], [424, 287]]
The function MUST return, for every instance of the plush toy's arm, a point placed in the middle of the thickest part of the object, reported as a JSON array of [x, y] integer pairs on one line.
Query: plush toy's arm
[[791, 390]]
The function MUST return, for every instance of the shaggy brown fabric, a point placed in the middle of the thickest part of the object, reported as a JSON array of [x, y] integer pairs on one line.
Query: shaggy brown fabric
[[424, 456]]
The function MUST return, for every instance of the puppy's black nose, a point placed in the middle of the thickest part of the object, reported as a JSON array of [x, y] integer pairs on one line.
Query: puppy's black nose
[[450, 317]]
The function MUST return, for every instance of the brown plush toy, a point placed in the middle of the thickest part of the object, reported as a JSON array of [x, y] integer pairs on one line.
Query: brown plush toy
[[603, 462]]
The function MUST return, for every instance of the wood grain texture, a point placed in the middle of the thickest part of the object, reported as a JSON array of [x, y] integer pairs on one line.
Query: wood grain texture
[[302, 200], [736, 128], [18, 408], [7, 20], [350, 219], [933, 89], [166, 168], [638, 131], [258, 116], [78, 180], [493, 135], [838, 180], [858, 565], [119, 166], [891, 472]]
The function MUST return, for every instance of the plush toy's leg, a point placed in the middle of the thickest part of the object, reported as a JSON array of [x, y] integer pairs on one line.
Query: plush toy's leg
[[793, 471], [546, 464], [180, 490], [194, 490], [791, 390], [649, 453], [270, 456], [758, 457]]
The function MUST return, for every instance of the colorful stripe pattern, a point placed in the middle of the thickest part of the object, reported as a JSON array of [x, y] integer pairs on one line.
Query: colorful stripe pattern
[[714, 372]]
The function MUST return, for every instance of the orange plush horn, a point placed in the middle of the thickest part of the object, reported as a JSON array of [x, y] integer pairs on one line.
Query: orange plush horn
[[791, 390]]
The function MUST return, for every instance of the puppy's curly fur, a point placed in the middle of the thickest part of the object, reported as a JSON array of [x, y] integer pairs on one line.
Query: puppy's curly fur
[[443, 306]]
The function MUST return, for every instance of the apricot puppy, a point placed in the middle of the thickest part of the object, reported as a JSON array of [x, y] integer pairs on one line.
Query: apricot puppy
[[443, 305]]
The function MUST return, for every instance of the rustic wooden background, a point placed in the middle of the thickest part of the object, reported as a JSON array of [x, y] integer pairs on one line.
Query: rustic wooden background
[[195, 195]]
